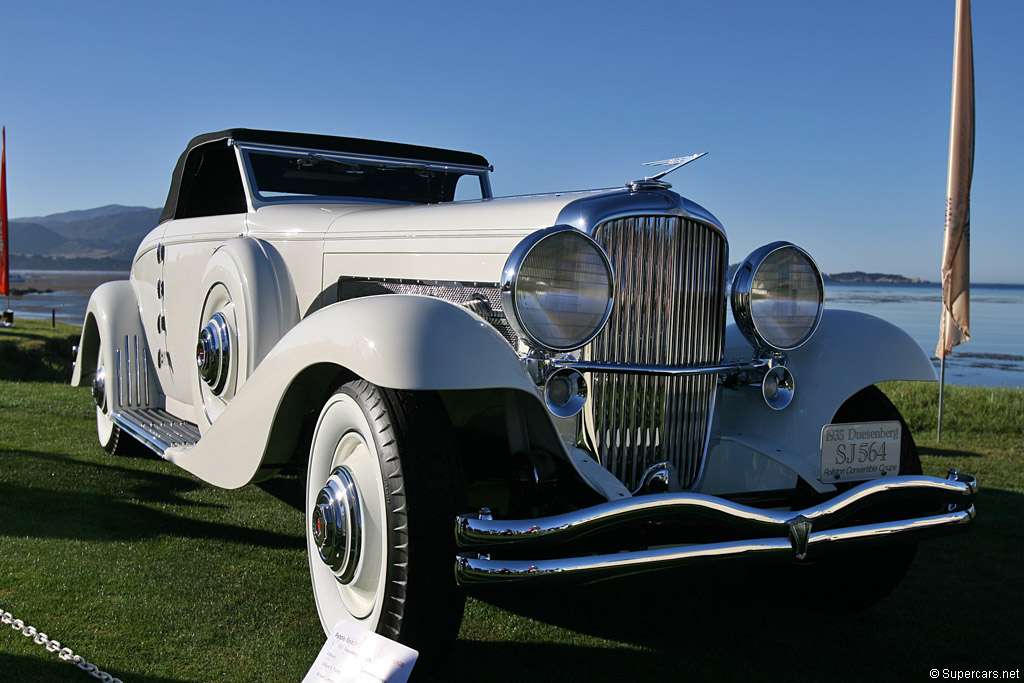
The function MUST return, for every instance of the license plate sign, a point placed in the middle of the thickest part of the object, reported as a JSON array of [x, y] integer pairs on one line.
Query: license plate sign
[[861, 451]]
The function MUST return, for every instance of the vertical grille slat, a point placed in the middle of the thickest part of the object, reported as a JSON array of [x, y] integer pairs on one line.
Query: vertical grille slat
[[669, 310]]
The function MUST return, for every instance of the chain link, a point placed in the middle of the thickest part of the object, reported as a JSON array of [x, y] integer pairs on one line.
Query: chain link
[[54, 646]]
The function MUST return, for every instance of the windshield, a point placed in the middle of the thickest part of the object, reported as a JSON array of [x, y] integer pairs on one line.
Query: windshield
[[299, 173]]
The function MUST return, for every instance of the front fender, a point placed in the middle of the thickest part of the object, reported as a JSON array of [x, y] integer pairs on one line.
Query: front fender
[[396, 341], [848, 352]]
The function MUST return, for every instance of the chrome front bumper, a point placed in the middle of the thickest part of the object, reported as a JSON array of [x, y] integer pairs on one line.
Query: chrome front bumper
[[764, 534]]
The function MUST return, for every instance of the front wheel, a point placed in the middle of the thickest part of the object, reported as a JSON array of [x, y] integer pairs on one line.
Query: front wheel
[[382, 490], [875, 572]]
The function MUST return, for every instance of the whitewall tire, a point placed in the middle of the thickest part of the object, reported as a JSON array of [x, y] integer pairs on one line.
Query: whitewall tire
[[382, 492]]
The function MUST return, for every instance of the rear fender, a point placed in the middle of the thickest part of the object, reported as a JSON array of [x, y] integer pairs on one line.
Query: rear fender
[[112, 317], [755, 446]]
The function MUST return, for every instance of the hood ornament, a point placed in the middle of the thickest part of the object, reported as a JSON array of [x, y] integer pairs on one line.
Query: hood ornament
[[655, 182]]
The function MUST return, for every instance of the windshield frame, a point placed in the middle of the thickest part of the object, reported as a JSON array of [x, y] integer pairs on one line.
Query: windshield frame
[[257, 199]]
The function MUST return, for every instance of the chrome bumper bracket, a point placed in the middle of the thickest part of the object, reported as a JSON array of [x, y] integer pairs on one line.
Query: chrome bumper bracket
[[799, 536]]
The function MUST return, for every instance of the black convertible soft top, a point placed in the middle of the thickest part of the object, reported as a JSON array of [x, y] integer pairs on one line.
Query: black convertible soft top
[[316, 142]]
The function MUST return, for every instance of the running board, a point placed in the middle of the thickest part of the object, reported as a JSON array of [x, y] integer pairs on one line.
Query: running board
[[156, 429]]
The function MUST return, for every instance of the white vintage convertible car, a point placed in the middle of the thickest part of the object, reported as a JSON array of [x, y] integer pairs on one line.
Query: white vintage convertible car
[[517, 389]]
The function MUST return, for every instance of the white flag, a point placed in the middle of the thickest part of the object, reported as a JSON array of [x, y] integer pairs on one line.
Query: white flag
[[955, 326]]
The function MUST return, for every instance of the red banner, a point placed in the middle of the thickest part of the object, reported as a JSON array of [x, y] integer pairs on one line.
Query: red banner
[[5, 265]]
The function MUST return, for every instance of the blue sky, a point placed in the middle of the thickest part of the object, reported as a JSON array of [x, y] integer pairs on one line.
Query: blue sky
[[827, 123]]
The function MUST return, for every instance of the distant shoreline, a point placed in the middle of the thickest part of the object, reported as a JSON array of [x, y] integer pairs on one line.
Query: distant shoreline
[[859, 277], [22, 262], [34, 263]]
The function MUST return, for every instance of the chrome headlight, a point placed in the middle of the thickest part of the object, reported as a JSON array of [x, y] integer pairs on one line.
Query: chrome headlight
[[777, 297], [557, 289]]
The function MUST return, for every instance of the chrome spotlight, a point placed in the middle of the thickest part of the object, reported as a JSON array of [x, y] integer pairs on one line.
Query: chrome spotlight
[[565, 392], [777, 387]]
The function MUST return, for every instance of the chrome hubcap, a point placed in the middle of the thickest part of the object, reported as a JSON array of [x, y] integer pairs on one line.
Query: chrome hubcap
[[337, 526], [99, 382], [213, 353]]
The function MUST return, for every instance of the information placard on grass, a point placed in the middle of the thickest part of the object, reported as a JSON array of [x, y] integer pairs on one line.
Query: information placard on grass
[[354, 655]]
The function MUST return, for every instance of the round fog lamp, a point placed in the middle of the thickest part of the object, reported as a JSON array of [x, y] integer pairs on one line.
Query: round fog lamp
[[778, 387], [559, 391], [565, 392]]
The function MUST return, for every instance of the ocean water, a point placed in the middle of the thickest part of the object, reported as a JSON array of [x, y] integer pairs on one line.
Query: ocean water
[[60, 293], [993, 357]]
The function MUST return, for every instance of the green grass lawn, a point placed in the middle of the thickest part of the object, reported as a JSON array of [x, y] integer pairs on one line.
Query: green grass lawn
[[155, 576]]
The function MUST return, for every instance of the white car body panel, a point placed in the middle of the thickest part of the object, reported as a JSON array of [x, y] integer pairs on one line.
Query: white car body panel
[[756, 447]]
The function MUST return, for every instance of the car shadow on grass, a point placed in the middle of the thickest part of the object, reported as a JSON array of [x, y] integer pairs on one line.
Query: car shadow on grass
[[30, 512], [85, 512], [290, 489], [134, 482]]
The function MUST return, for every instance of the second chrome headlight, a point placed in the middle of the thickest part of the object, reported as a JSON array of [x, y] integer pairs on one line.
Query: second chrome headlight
[[777, 297], [557, 289]]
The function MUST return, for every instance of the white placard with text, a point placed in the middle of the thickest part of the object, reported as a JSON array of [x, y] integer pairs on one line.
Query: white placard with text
[[354, 655]]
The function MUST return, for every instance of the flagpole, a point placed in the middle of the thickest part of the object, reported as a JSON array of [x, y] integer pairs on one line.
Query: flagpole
[[942, 386]]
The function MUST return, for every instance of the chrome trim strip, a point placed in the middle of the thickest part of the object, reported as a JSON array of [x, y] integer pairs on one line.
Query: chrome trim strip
[[354, 157], [127, 372], [470, 570], [587, 212], [145, 372], [117, 354], [726, 367], [138, 372], [471, 532], [420, 283]]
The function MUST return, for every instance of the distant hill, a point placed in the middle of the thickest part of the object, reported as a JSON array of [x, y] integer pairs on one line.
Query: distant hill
[[82, 215], [885, 278], [104, 238], [33, 238]]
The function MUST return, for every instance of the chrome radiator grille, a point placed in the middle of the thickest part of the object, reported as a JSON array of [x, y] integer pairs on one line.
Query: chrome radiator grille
[[669, 310]]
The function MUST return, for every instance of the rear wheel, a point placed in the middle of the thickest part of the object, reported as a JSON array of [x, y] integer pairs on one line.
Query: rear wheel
[[872, 574], [382, 491], [112, 438]]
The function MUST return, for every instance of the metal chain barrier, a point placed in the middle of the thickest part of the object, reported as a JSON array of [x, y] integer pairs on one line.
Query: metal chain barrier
[[54, 646]]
